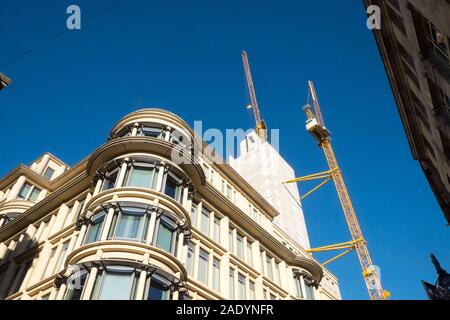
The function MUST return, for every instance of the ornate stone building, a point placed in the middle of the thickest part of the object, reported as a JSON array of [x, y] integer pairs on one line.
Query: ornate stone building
[[130, 222], [414, 43]]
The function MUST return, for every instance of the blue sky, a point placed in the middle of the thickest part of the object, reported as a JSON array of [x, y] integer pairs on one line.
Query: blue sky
[[185, 56]]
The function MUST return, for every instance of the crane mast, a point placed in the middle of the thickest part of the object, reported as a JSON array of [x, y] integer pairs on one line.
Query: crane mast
[[316, 127], [261, 128]]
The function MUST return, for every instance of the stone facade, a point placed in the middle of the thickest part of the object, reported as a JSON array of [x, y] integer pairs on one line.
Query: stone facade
[[414, 42], [130, 222]]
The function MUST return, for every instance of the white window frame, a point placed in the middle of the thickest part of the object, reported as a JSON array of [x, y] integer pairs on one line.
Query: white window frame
[[27, 197]]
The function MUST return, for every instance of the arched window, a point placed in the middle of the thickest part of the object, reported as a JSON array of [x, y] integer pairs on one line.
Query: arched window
[[145, 172]]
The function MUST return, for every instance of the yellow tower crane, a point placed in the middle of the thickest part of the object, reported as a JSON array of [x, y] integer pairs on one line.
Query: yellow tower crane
[[261, 128], [316, 127]]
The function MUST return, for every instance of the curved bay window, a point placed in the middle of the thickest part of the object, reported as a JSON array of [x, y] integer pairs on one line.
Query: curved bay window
[[153, 130], [131, 221], [118, 280], [115, 283], [147, 173]]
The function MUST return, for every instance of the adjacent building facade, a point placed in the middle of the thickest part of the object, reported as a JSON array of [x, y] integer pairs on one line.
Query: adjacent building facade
[[147, 215], [414, 42]]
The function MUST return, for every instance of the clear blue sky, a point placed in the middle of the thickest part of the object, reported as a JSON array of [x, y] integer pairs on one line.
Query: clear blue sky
[[185, 56]]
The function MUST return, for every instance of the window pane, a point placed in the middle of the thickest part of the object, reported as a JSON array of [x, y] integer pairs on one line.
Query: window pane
[[203, 266], [269, 267], [241, 286], [117, 284], [309, 292], [110, 180], [194, 215], [158, 290], [231, 284], [249, 254], [141, 177], [204, 223], [217, 229], [48, 174], [48, 270], [190, 259], [24, 191], [171, 188], [298, 287], [229, 192], [151, 132], [252, 290], [62, 256], [216, 274], [240, 246], [34, 194], [230, 240], [278, 273], [165, 237], [95, 228], [130, 224]]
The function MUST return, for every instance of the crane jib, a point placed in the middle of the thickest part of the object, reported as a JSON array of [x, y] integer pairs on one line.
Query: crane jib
[[315, 126]]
